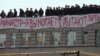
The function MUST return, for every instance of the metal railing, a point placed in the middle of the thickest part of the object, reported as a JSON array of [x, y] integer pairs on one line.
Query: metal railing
[[70, 52], [59, 53]]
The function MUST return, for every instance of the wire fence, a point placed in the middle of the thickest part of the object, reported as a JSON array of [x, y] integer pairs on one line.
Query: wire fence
[[57, 53]]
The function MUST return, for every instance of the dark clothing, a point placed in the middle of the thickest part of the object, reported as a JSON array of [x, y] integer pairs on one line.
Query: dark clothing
[[31, 13], [21, 14], [3, 14], [15, 13], [98, 9], [77, 10], [10, 14], [58, 12], [41, 12], [27, 13], [72, 11], [66, 11], [36, 13], [53, 12], [47, 12], [50, 12]]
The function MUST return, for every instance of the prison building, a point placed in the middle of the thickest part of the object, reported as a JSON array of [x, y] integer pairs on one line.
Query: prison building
[[19, 34]]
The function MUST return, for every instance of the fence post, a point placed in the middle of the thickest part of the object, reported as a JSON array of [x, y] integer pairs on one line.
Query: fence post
[[78, 53], [71, 52], [27, 54]]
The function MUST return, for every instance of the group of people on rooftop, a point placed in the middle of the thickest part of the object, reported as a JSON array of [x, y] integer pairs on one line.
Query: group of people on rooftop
[[55, 11], [22, 13], [73, 10]]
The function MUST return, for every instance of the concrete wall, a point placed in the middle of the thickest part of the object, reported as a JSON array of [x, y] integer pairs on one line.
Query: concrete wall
[[49, 42]]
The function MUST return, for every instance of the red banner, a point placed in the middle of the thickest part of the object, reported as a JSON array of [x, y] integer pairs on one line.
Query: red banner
[[50, 21]]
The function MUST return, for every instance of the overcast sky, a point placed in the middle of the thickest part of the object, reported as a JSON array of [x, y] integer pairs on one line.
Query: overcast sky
[[11, 4]]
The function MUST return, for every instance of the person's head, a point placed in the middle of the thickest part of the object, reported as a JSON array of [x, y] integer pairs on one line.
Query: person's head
[[66, 6], [27, 9], [35, 9], [54, 8], [50, 8], [95, 5], [20, 9], [58, 7], [2, 10], [40, 8], [31, 9], [47, 7], [62, 8], [72, 6], [84, 5], [14, 9], [10, 10]]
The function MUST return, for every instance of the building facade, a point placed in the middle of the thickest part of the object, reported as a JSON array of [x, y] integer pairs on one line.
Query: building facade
[[51, 37]]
